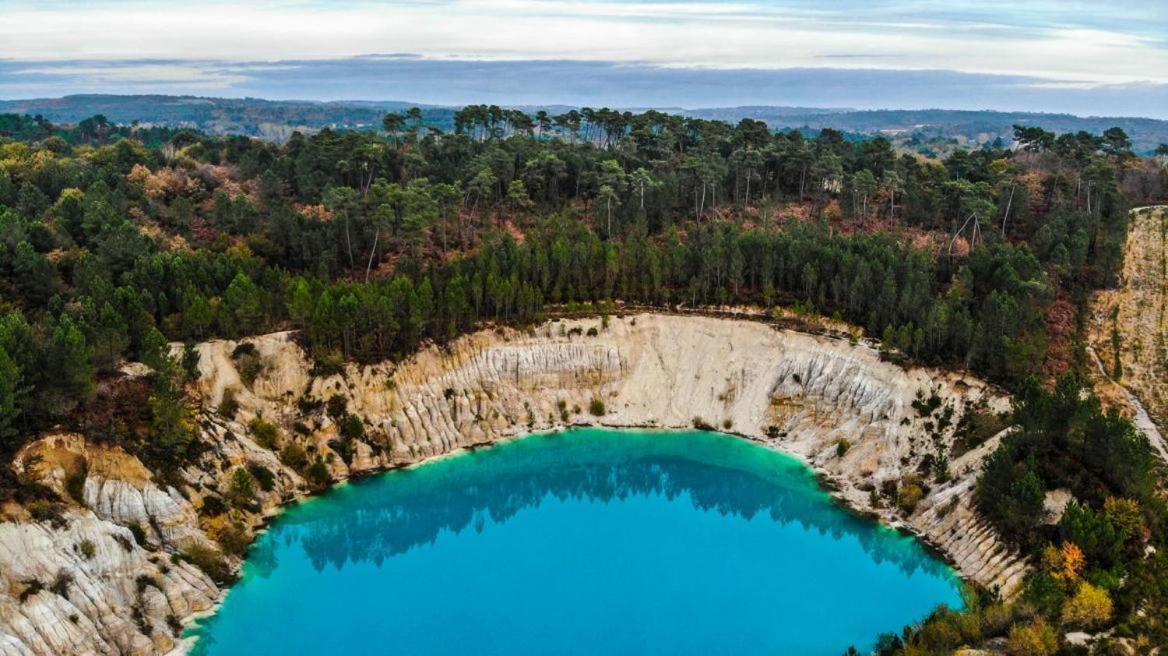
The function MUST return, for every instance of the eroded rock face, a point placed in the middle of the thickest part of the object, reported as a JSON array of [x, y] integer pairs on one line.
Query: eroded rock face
[[110, 597], [797, 393]]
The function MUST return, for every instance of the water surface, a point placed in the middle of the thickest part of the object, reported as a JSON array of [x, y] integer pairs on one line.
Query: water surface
[[584, 542]]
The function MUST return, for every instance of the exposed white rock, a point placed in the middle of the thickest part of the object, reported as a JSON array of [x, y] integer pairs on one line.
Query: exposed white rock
[[794, 392], [1055, 504], [92, 612]]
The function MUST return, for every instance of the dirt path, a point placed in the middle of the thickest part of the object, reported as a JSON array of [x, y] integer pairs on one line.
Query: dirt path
[[1129, 328]]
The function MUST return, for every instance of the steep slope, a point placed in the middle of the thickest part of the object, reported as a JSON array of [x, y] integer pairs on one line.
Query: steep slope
[[802, 394], [1129, 336]]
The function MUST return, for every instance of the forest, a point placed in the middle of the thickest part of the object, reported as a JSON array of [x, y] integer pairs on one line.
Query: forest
[[922, 130], [115, 240]]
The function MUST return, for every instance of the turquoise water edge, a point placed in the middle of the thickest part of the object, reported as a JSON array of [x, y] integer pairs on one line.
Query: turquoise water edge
[[587, 541]]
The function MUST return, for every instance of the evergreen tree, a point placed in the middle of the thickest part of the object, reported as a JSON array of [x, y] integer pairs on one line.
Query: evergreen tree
[[69, 371], [10, 382]]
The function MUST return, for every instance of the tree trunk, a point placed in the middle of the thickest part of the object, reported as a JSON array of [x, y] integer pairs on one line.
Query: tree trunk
[[349, 242], [372, 252], [1009, 204]]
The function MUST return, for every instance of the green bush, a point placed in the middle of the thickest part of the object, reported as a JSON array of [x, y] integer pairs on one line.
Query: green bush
[[264, 433], [75, 485], [318, 474], [43, 510], [190, 361], [294, 456], [926, 407], [263, 476], [352, 428], [307, 405], [909, 494], [249, 364], [596, 406], [1034, 639], [242, 489], [213, 506], [229, 406], [338, 407], [208, 560], [234, 539], [244, 349]]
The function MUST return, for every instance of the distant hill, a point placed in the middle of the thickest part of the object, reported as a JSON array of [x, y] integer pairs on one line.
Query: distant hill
[[966, 126], [269, 119], [928, 130]]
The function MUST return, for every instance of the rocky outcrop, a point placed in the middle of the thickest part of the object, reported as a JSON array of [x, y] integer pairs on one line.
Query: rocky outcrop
[[86, 582], [866, 424]]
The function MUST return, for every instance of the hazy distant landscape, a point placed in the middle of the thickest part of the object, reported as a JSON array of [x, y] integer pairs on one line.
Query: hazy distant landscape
[[933, 131]]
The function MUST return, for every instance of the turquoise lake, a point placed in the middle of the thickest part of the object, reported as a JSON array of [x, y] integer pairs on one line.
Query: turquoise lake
[[586, 541]]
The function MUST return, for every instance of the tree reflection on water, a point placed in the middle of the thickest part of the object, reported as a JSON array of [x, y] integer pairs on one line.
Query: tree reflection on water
[[385, 516]]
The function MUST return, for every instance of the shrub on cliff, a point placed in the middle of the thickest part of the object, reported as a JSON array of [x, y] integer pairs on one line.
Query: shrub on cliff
[[1090, 608], [242, 489], [596, 406], [1034, 639], [248, 362], [294, 456], [264, 433], [909, 494], [338, 407], [352, 428], [209, 561], [234, 538], [263, 476], [318, 474], [228, 406]]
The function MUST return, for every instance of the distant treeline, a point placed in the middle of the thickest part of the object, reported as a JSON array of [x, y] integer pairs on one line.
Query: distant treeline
[[928, 130]]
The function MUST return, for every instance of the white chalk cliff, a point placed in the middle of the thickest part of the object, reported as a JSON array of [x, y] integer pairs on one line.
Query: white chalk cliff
[[797, 393]]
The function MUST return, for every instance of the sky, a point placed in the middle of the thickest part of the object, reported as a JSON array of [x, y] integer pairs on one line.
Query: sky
[[1075, 56]]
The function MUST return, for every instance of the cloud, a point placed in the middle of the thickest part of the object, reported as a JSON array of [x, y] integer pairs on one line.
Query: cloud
[[592, 83], [1074, 41], [123, 73]]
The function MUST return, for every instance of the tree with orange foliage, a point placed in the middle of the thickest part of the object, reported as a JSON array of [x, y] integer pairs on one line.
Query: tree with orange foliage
[[1064, 563]]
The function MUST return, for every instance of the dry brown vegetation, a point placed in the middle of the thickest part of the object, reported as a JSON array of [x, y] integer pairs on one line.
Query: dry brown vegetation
[[1132, 320]]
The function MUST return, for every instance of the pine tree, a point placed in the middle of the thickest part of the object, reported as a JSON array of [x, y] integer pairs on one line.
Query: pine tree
[[70, 375], [10, 382]]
